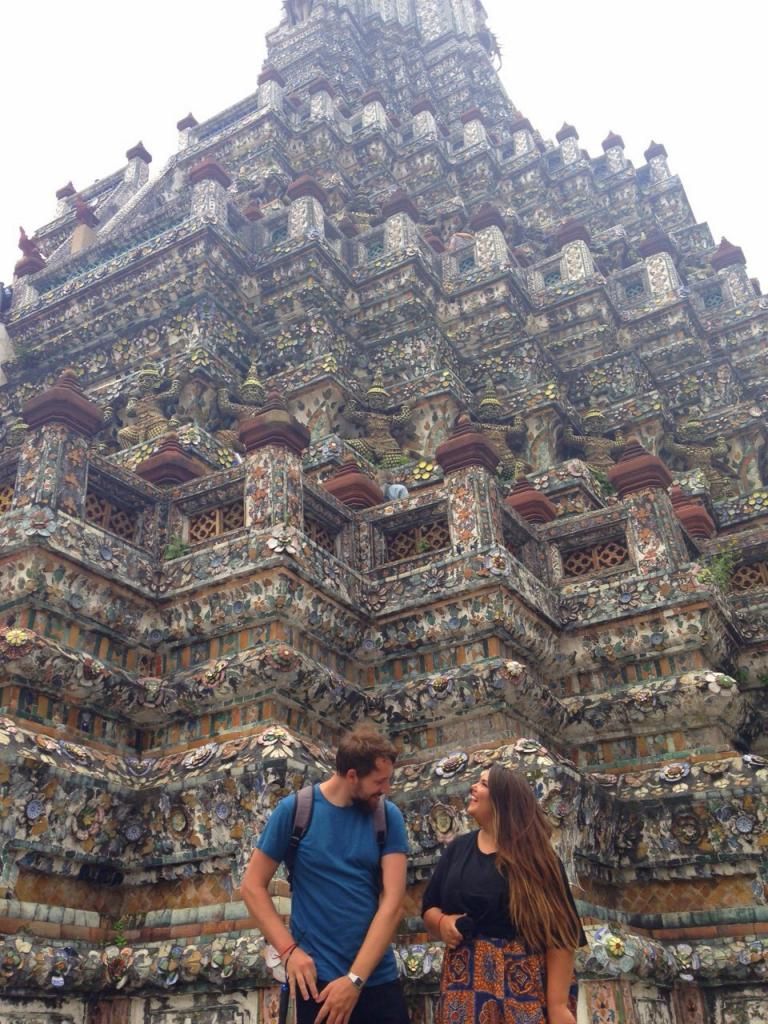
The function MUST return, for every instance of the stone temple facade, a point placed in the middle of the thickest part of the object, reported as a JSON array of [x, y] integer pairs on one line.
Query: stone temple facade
[[376, 264]]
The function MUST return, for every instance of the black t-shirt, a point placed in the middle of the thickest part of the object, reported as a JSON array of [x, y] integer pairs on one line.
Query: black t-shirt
[[467, 881]]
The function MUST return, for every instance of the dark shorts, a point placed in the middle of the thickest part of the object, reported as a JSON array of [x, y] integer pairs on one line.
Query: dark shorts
[[378, 1004]]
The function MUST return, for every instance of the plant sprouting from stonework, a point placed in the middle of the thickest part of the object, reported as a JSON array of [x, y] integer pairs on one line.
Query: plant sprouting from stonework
[[118, 930], [718, 568], [175, 548]]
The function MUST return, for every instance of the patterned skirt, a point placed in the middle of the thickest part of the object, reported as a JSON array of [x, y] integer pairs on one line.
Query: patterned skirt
[[494, 981]]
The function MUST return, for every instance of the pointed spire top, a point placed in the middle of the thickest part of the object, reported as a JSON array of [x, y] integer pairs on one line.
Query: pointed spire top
[[655, 149], [566, 132], [612, 141]]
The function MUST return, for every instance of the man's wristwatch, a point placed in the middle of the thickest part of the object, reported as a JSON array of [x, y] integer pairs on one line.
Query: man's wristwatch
[[356, 980]]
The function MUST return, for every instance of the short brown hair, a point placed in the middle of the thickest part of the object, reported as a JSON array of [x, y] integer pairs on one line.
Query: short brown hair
[[361, 748]]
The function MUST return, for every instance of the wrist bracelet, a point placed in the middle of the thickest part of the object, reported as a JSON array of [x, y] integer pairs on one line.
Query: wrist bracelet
[[288, 949], [291, 951]]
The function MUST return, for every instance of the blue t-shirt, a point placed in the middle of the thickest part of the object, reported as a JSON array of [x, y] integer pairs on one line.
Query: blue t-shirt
[[335, 880]]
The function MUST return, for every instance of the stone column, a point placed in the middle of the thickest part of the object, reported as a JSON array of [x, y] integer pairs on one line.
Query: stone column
[[613, 147], [274, 442], [53, 464], [657, 251], [474, 127], [656, 157], [469, 462], [186, 128], [424, 123], [209, 183], [306, 216], [568, 138], [491, 249], [271, 90]]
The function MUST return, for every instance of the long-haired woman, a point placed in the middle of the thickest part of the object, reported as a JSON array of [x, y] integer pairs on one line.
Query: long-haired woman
[[500, 901]]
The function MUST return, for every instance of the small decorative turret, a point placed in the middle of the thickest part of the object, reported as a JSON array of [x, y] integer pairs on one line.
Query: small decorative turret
[[274, 425], [32, 258], [466, 446], [637, 470], [351, 486], [64, 403], [692, 514], [529, 503]]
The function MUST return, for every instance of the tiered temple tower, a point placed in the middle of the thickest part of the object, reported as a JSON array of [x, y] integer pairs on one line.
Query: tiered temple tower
[[374, 264]]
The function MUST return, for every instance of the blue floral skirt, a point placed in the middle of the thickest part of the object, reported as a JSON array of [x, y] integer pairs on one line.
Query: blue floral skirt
[[494, 981]]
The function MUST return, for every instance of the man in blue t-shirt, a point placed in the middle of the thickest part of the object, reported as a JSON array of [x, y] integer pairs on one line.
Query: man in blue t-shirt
[[347, 891]]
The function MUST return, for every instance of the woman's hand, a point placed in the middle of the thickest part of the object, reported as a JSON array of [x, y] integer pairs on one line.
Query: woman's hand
[[560, 1014], [449, 933]]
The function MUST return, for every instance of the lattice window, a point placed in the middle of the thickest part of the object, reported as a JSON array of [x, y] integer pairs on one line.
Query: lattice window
[[634, 288], [280, 234], [111, 517], [753, 576], [595, 559], [321, 534], [375, 249], [713, 297], [6, 498], [467, 263], [421, 539], [213, 522], [552, 277]]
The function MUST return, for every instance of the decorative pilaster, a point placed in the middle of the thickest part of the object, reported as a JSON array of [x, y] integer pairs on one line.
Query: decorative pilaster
[[469, 463], [321, 94], [400, 225], [576, 263], [274, 441], [522, 137], [137, 171], [209, 183], [613, 147], [568, 138], [53, 464], [306, 217], [491, 249], [656, 156], [374, 114], [424, 123], [271, 90], [730, 263], [474, 127], [186, 128]]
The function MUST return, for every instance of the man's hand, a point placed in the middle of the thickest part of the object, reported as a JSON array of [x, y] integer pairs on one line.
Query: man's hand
[[339, 999], [302, 974], [449, 933]]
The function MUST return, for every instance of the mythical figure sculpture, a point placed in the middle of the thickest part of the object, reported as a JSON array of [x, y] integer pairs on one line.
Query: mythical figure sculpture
[[298, 11], [249, 399], [147, 405], [600, 451], [379, 417], [689, 446], [29, 247], [15, 433], [506, 432]]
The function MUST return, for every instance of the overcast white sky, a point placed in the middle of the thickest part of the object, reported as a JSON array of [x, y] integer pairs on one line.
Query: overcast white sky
[[82, 81]]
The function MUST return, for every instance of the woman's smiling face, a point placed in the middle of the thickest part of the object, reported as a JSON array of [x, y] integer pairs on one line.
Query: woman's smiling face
[[479, 805]]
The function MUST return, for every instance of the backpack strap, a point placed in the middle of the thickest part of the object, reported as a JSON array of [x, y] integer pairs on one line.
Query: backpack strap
[[380, 824], [302, 815]]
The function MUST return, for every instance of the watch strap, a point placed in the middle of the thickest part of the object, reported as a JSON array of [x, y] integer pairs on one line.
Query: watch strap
[[356, 980]]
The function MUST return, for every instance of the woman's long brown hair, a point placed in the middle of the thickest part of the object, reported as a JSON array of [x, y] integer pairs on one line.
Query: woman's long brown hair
[[538, 902]]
